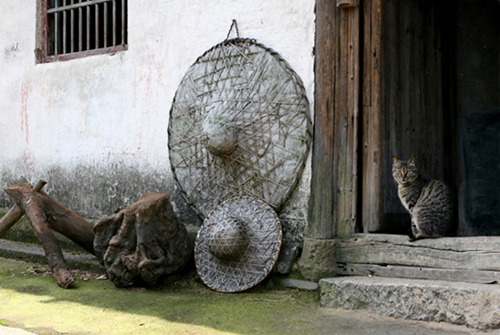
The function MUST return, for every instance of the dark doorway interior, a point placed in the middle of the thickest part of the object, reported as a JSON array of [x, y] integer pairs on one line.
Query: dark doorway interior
[[441, 102], [477, 75]]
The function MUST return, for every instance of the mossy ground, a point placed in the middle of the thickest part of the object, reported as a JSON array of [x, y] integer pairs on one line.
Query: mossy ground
[[30, 298]]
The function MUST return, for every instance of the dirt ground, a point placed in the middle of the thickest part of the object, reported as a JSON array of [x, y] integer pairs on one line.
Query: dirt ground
[[31, 300]]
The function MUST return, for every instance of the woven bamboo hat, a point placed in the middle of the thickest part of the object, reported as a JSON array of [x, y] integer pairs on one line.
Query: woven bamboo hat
[[238, 245], [239, 126]]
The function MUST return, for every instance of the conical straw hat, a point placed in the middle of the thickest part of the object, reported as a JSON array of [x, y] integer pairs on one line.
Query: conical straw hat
[[238, 244]]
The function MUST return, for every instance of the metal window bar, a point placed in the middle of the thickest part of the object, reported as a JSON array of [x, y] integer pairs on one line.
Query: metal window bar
[[97, 27], [72, 30], [123, 22], [63, 29], [56, 32], [114, 22], [105, 24], [69, 19], [88, 28], [80, 27], [76, 5]]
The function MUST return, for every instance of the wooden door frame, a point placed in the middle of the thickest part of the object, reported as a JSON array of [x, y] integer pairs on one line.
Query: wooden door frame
[[331, 242], [347, 81], [371, 152]]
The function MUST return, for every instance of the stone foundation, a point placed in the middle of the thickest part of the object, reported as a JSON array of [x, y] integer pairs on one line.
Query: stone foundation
[[473, 305]]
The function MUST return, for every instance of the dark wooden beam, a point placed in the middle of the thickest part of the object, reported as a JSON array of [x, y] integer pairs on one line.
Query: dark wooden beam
[[372, 115], [326, 51], [333, 203], [346, 128]]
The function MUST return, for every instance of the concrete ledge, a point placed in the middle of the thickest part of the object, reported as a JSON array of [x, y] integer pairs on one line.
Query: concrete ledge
[[474, 305], [300, 284], [33, 253]]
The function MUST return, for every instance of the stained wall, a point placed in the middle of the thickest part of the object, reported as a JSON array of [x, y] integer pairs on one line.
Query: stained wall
[[95, 128]]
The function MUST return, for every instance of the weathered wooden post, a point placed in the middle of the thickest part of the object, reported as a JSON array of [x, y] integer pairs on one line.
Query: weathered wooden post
[[333, 202], [318, 254]]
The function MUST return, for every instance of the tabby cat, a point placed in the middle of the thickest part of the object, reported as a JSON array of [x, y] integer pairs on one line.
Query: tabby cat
[[429, 202]]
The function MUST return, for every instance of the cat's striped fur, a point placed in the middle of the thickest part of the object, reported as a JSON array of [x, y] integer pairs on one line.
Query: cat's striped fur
[[429, 202]]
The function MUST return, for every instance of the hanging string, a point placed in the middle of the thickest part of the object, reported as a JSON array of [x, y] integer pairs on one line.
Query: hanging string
[[235, 25]]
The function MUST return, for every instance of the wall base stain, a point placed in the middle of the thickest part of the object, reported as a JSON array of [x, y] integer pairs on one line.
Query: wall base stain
[[95, 191]]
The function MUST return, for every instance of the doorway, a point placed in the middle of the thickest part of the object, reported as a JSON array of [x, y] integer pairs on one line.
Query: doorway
[[440, 101]]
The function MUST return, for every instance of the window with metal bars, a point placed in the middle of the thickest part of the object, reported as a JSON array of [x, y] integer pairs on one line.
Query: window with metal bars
[[79, 28]]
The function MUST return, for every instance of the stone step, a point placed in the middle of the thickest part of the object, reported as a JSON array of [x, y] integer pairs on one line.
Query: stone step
[[473, 305]]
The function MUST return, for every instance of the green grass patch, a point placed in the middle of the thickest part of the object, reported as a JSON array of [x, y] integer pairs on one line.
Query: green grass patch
[[30, 296]]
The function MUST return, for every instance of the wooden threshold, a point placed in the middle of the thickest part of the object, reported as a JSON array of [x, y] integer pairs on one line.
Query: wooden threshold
[[469, 259]]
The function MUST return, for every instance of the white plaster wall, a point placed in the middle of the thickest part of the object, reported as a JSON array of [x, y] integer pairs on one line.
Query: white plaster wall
[[106, 117]]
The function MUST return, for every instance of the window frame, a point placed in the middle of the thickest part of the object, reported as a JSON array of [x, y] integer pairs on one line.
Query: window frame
[[42, 50]]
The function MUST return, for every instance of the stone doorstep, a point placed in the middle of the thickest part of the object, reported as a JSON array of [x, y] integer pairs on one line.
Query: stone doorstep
[[473, 305]]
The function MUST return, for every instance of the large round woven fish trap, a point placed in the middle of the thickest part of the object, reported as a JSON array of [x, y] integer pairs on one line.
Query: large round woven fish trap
[[239, 126], [238, 245]]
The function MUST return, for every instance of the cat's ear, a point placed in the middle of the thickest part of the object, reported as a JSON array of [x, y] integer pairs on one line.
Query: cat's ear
[[395, 160], [413, 161]]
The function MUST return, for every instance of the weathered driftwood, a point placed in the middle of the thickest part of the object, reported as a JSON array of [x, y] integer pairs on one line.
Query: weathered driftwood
[[471, 259], [143, 242], [58, 217], [15, 213], [46, 213]]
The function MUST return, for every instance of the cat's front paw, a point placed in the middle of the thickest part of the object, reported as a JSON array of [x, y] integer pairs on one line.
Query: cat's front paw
[[413, 238]]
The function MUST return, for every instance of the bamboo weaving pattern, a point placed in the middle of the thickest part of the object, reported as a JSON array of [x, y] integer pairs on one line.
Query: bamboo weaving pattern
[[239, 126], [238, 245]]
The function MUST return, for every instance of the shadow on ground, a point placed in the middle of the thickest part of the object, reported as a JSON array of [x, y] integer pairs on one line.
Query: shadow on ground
[[30, 299], [182, 301]]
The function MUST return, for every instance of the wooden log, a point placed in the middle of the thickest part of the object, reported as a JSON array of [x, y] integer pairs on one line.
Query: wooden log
[[60, 271], [16, 213], [46, 213], [58, 217], [142, 242]]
